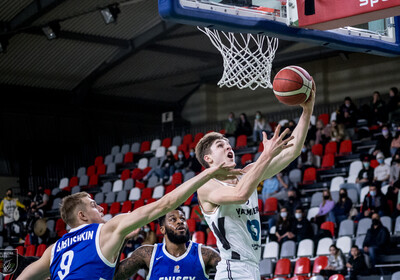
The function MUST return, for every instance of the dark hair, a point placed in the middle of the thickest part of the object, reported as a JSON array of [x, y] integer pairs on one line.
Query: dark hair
[[348, 98], [299, 208], [395, 90], [355, 247], [161, 220]]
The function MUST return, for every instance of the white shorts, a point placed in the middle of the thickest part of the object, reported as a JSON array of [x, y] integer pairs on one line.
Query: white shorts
[[236, 270]]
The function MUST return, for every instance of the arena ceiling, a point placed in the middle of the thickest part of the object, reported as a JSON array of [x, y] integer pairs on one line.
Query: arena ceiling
[[140, 56]]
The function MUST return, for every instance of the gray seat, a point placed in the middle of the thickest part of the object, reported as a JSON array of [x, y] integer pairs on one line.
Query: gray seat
[[122, 196], [153, 162], [75, 189], [288, 249], [111, 168], [55, 191], [107, 187], [1, 241], [153, 181], [266, 268], [188, 176], [295, 176], [119, 158], [363, 226], [83, 181], [396, 276], [108, 159], [353, 195], [316, 199], [51, 225], [176, 141], [335, 196], [110, 198], [81, 171], [387, 222], [359, 241], [115, 150], [125, 148], [99, 198], [349, 186], [56, 204], [135, 148], [232, 141], [397, 226], [129, 184], [346, 228]]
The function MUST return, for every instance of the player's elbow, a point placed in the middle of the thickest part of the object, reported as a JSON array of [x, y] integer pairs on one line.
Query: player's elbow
[[242, 197]]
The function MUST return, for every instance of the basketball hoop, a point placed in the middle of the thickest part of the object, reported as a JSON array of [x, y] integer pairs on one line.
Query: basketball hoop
[[247, 58]]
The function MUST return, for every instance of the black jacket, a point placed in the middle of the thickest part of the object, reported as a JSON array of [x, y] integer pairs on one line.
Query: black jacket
[[377, 237], [302, 229]]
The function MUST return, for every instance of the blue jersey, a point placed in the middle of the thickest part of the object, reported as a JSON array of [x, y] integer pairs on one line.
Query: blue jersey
[[189, 266], [77, 255]]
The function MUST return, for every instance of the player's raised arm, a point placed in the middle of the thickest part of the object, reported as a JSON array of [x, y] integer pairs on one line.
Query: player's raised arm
[[38, 270], [210, 257], [139, 259]]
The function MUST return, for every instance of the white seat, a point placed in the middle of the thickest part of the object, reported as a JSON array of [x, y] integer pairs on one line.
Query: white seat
[[283, 122], [173, 149], [64, 183], [388, 161], [134, 194], [346, 228], [155, 144], [313, 120], [335, 183], [364, 192], [384, 189], [272, 230], [355, 167], [160, 152], [305, 248], [323, 246], [312, 212], [143, 163], [397, 226], [316, 199], [107, 217], [344, 243], [396, 276], [186, 210], [158, 192], [352, 179], [271, 250], [317, 277], [118, 186], [387, 222], [333, 116]]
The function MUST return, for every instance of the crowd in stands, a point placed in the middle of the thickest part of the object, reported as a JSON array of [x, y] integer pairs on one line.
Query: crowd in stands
[[302, 203]]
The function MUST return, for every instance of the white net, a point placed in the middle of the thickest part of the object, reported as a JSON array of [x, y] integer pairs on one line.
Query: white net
[[247, 58]]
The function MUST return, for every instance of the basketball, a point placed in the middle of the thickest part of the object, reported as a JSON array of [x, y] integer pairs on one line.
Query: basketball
[[292, 85]]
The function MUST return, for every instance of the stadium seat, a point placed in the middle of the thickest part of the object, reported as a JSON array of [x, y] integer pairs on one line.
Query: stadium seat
[[310, 175], [121, 196], [169, 189], [98, 161], [187, 139], [108, 159], [387, 222], [143, 163], [177, 179], [363, 193], [295, 176], [107, 187], [331, 148], [119, 158], [63, 183], [271, 250], [99, 198], [101, 169], [319, 263], [188, 201], [125, 148], [191, 223], [397, 226], [30, 251], [344, 243], [135, 148], [74, 181], [211, 240], [196, 214], [328, 161], [128, 184], [282, 268], [186, 210], [270, 206], [329, 226], [81, 171], [232, 141], [105, 208], [241, 141], [324, 118], [337, 277], [298, 277], [288, 249], [75, 189], [374, 163], [158, 192], [317, 149], [160, 152], [188, 175], [126, 173], [199, 237], [323, 246], [246, 159], [177, 141], [305, 248], [312, 212], [302, 267], [115, 150], [111, 168], [346, 147], [110, 198], [146, 193], [107, 217], [197, 137], [173, 149], [118, 186], [51, 225], [145, 146], [316, 199], [139, 203], [40, 250], [93, 180], [260, 205], [128, 157], [166, 142], [139, 185], [136, 174], [56, 204], [91, 170], [265, 267], [126, 206], [20, 249], [396, 276], [114, 208], [134, 194], [346, 228], [153, 181], [335, 183], [317, 277]]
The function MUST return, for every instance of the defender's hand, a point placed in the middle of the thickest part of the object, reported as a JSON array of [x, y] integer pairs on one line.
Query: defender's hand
[[276, 144]]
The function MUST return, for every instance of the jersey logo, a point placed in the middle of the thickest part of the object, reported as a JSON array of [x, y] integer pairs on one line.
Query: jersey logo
[[158, 258], [177, 269], [253, 226]]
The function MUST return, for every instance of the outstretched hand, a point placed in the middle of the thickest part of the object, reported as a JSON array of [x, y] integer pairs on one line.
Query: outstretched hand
[[224, 171], [309, 103], [276, 144]]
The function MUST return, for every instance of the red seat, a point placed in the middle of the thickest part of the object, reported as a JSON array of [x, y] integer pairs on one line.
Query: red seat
[[282, 268], [137, 174], [115, 208], [30, 251], [94, 180], [199, 237], [145, 146], [146, 193], [302, 267], [183, 147], [319, 263], [328, 161], [40, 250], [191, 225], [128, 157], [126, 206], [187, 139], [346, 147], [271, 206], [298, 278], [122, 257], [222, 131], [20, 250], [337, 277], [260, 205], [331, 148], [101, 169], [98, 161], [374, 163], [310, 175], [169, 189], [197, 137], [151, 200], [60, 225], [138, 203], [211, 240], [74, 181], [105, 208], [139, 185], [47, 191], [329, 226], [188, 201], [177, 179], [241, 141], [260, 147], [317, 149], [91, 170], [196, 214], [324, 118], [126, 174], [166, 142], [246, 159]]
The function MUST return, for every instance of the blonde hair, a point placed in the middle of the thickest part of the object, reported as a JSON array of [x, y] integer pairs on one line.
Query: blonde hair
[[69, 204], [204, 146]]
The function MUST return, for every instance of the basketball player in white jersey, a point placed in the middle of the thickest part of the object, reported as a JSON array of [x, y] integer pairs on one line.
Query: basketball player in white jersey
[[230, 207]]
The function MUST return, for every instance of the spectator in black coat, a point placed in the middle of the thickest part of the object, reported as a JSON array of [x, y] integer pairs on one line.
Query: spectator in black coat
[[284, 226], [384, 143], [243, 127], [347, 113], [392, 196], [302, 228], [342, 208], [293, 201], [374, 202], [377, 239], [356, 264], [366, 175], [192, 164], [379, 111]]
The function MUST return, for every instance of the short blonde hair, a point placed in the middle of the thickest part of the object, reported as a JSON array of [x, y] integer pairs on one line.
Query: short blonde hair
[[69, 204], [204, 146]]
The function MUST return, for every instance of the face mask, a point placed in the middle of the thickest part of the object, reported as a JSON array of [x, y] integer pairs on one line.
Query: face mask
[[373, 193], [326, 197], [347, 105], [230, 119], [375, 222], [283, 214], [304, 150], [385, 132], [298, 215], [258, 117], [342, 195], [146, 229], [180, 156], [192, 154], [380, 160], [366, 164], [9, 194]]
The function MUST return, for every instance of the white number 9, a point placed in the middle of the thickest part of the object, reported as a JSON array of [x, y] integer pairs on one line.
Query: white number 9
[[65, 265]]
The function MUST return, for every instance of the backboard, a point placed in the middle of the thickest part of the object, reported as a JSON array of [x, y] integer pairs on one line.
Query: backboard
[[281, 19]]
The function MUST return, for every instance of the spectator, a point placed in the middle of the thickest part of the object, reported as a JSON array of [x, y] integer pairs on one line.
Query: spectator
[[325, 207], [165, 171], [306, 158], [41, 200], [260, 125], [284, 226], [322, 134], [180, 162], [356, 264], [338, 133], [192, 164], [392, 197], [291, 125], [379, 114], [335, 262], [244, 126], [342, 208], [7, 208], [33, 215], [230, 125], [366, 174], [302, 228], [382, 171], [377, 239], [394, 102], [282, 192], [293, 201], [270, 186], [395, 145], [394, 171], [374, 202], [384, 143], [347, 115]]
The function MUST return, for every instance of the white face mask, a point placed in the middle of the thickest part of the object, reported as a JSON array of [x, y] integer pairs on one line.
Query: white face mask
[[298, 215], [283, 214]]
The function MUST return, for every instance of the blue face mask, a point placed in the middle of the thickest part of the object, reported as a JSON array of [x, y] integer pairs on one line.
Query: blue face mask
[[380, 160], [180, 156], [373, 193], [192, 154], [304, 150], [366, 164]]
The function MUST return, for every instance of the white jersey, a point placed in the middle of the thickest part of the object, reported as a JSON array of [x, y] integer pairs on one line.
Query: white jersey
[[237, 229]]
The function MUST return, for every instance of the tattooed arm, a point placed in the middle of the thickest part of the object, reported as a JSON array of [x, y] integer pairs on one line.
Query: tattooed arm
[[210, 257], [140, 258]]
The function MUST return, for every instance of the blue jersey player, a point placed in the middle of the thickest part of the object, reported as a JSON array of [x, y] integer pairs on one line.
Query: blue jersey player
[[176, 259], [91, 248]]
